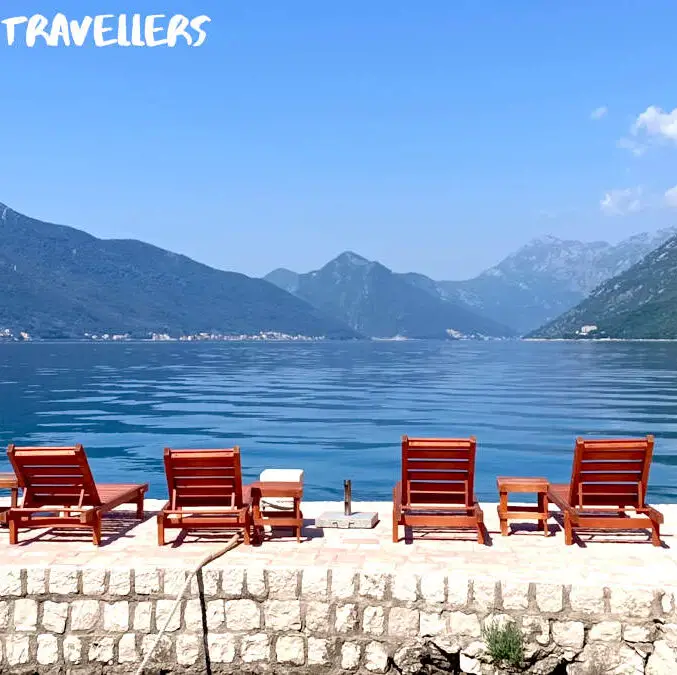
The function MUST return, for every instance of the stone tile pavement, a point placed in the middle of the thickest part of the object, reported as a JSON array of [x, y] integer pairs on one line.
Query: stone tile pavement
[[525, 555]]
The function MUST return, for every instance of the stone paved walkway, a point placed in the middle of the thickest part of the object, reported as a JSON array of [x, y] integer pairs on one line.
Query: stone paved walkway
[[525, 555]]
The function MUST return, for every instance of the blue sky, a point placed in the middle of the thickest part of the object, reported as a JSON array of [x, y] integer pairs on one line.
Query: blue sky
[[433, 136]]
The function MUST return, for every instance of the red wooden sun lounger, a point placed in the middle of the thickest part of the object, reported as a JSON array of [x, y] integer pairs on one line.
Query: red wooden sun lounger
[[609, 476], [205, 492], [437, 486], [59, 491]]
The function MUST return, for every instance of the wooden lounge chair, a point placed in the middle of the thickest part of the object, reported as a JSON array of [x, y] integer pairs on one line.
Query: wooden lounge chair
[[59, 491], [437, 486], [205, 492], [609, 476]]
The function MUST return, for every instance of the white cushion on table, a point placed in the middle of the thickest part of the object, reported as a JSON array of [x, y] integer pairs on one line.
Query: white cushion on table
[[282, 475]]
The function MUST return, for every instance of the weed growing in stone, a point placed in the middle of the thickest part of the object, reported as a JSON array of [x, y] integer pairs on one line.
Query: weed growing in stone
[[505, 643]]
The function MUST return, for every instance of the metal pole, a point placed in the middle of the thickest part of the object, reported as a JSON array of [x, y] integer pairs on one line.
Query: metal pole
[[347, 498]]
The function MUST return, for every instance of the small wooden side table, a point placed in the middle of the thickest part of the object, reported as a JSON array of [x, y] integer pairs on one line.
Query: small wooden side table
[[264, 515], [539, 486], [8, 481]]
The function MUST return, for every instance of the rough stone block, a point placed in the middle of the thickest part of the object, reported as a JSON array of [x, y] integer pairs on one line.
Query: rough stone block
[[173, 581], [587, 599], [631, 602], [283, 614], [63, 580], [17, 649], [372, 584], [403, 622], [432, 623], [314, 584], [568, 634], [342, 584], [346, 618], [146, 581], [605, 631], [127, 649], [484, 594], [283, 584], [210, 579], [36, 581], [143, 613], [242, 615], [163, 648], [350, 655], [232, 582], [317, 617], [94, 581], [4, 614], [549, 598], [433, 588], [54, 616], [192, 615], [457, 591], [290, 649], [404, 586], [255, 648], [663, 660], [461, 623], [376, 658], [515, 595], [84, 614], [256, 583], [642, 633], [318, 652], [669, 633], [25, 615], [536, 628], [221, 647], [187, 649], [48, 650], [10, 581], [119, 582], [216, 614], [72, 649], [116, 616], [102, 649], [163, 611], [373, 620]]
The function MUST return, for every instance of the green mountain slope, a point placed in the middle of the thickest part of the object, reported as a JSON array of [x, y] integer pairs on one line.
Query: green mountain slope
[[639, 303], [377, 302], [61, 282]]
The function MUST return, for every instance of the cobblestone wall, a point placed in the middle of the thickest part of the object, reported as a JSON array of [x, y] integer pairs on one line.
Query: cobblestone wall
[[65, 619]]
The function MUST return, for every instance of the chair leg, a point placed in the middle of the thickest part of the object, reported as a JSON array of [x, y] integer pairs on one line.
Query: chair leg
[[247, 530], [480, 532], [568, 530], [396, 529], [160, 530], [139, 507], [656, 533], [13, 530], [96, 530]]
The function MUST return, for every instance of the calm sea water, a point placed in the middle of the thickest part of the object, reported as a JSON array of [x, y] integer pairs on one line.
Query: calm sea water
[[338, 410]]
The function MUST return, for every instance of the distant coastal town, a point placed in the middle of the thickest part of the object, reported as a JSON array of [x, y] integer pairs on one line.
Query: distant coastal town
[[8, 335]]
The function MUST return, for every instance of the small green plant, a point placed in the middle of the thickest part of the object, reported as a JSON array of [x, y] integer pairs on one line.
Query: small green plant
[[505, 643]]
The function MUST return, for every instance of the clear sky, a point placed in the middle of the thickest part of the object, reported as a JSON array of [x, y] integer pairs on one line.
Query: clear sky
[[435, 136]]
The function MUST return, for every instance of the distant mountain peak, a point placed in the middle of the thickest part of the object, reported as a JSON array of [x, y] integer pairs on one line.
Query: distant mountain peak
[[351, 258]]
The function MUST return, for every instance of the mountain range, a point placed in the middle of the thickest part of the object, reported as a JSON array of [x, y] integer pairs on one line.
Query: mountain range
[[58, 281], [61, 282], [537, 283], [640, 303]]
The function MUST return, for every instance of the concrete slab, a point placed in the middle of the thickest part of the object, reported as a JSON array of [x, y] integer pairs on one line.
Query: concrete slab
[[355, 521]]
